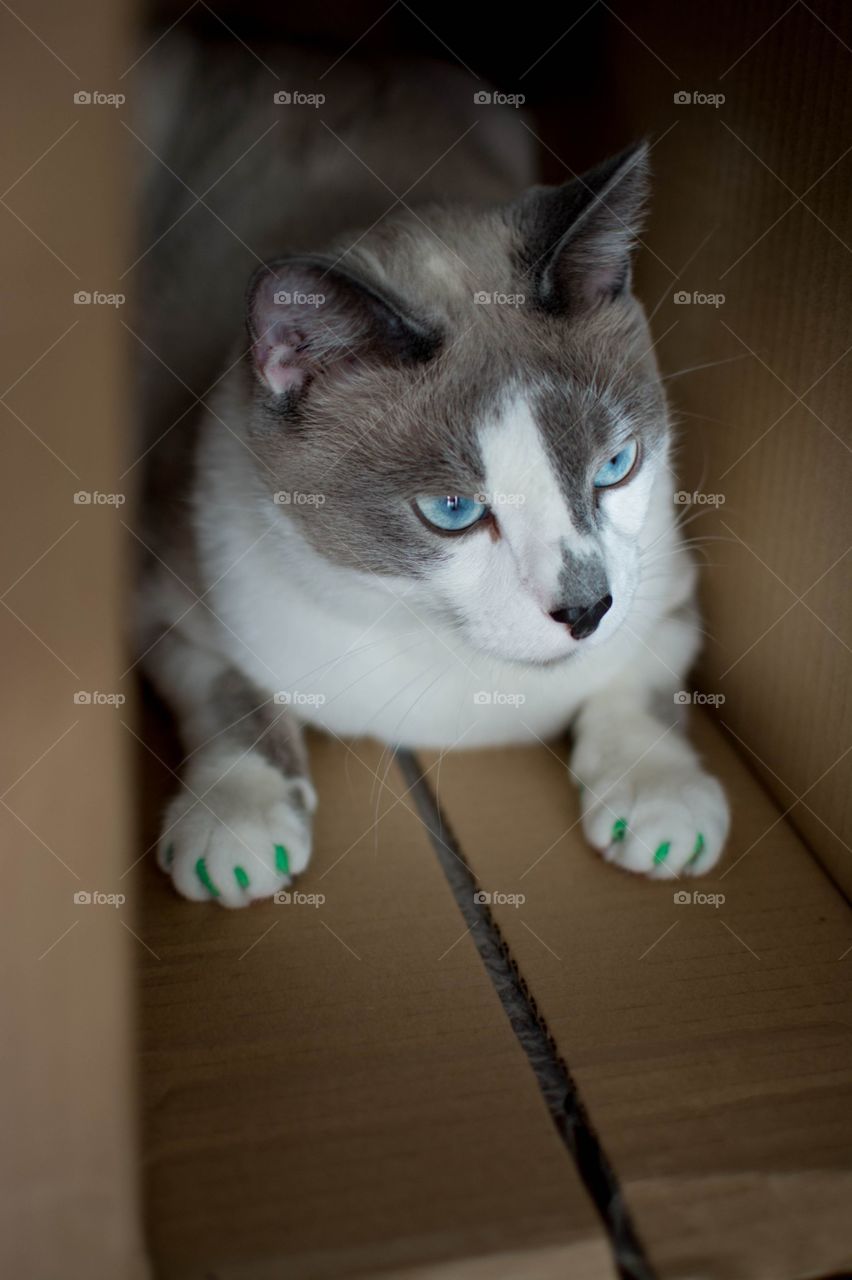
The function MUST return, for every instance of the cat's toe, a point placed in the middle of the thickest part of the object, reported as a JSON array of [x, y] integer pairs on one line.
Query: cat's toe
[[662, 827], [240, 838]]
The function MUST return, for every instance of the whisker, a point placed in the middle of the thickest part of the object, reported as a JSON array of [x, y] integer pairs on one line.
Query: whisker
[[711, 364]]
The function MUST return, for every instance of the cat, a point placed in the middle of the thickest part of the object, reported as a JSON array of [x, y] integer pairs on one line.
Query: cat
[[429, 496]]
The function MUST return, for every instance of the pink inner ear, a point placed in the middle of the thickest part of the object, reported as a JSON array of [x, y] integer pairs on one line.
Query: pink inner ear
[[277, 365]]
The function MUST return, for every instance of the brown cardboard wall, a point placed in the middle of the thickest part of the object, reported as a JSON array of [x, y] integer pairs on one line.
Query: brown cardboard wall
[[752, 202], [69, 1194]]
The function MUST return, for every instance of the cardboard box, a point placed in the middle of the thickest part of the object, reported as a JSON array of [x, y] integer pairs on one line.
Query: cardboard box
[[400, 1079]]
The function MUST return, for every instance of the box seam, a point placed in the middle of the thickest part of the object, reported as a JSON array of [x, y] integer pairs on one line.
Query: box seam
[[553, 1077]]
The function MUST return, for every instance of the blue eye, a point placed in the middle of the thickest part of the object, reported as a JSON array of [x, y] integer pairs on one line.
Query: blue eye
[[451, 513], [618, 467]]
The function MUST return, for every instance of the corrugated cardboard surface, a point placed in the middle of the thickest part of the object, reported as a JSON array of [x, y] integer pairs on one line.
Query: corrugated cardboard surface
[[335, 1090], [711, 1044], [752, 202], [68, 1194]]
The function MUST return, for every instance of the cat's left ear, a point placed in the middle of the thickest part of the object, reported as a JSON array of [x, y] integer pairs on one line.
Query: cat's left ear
[[311, 317], [576, 240]]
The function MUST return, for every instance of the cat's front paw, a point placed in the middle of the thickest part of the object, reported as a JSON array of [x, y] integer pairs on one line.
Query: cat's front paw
[[661, 822], [236, 831]]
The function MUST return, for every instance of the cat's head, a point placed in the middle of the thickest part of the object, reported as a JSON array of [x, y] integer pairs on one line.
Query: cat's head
[[466, 401]]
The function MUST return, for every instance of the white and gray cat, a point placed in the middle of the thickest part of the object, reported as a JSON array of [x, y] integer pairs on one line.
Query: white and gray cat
[[430, 498]]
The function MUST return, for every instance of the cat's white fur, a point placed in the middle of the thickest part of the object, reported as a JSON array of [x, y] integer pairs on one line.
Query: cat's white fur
[[358, 653]]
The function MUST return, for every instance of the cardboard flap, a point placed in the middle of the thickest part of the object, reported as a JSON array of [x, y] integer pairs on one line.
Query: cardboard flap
[[334, 1089], [710, 1041], [69, 1205]]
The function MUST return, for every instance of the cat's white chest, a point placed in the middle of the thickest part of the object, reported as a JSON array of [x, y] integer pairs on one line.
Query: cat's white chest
[[394, 677]]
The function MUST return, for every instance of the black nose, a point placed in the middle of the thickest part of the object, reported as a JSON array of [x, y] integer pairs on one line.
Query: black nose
[[582, 619]]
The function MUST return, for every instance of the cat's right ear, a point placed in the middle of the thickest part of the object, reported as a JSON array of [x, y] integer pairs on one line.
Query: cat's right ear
[[577, 239], [312, 317]]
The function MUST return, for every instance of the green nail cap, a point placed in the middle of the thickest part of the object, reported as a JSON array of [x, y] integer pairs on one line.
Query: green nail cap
[[204, 876], [662, 852], [170, 854], [241, 877], [619, 829], [282, 860]]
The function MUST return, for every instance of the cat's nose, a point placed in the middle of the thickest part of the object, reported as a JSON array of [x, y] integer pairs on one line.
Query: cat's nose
[[582, 619]]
